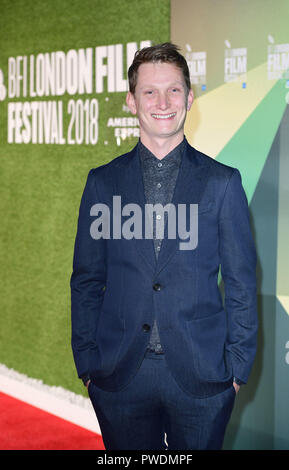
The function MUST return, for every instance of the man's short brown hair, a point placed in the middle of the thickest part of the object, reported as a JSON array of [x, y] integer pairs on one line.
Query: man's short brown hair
[[165, 52]]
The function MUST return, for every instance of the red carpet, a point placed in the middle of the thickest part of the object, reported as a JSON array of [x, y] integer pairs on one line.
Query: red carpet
[[24, 427]]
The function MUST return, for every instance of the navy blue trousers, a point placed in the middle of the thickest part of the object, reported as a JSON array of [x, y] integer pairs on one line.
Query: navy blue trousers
[[153, 413]]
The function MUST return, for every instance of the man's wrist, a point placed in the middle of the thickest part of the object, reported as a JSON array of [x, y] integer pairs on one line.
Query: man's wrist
[[237, 381], [85, 379]]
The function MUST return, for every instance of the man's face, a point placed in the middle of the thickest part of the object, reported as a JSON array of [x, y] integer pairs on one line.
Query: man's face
[[161, 101]]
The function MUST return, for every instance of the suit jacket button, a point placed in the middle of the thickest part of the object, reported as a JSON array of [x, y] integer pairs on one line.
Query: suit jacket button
[[157, 287], [146, 327]]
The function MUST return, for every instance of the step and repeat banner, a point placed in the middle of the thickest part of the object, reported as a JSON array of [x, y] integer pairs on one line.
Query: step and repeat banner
[[238, 54], [63, 83]]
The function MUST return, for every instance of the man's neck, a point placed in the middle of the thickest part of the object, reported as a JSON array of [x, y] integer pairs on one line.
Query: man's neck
[[161, 147]]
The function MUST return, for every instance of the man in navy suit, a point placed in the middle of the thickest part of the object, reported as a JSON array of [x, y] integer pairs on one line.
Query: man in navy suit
[[162, 354]]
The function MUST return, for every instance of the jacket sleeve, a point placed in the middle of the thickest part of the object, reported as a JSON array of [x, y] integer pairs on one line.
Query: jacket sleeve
[[87, 282], [238, 269]]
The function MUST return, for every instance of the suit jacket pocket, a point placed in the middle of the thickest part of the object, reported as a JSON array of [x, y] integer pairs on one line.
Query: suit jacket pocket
[[108, 341], [208, 342]]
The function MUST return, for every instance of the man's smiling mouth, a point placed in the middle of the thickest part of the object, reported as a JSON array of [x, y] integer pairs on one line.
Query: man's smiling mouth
[[163, 116]]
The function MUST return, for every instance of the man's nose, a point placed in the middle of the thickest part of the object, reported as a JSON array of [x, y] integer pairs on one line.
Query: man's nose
[[163, 101]]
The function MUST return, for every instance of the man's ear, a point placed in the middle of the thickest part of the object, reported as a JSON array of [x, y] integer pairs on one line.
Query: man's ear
[[130, 101], [190, 99]]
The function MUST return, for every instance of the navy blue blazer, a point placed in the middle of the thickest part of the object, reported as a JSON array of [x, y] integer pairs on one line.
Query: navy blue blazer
[[118, 286]]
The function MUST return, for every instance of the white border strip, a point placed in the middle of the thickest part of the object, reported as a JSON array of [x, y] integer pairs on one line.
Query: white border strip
[[55, 400]]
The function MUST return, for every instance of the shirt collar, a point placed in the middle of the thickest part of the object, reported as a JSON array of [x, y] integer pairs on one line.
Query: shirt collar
[[174, 156]]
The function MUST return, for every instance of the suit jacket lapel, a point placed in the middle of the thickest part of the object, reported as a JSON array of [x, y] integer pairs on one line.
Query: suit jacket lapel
[[189, 189], [131, 189]]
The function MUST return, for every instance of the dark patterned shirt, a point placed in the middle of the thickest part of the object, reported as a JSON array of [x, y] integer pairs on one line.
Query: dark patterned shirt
[[159, 177]]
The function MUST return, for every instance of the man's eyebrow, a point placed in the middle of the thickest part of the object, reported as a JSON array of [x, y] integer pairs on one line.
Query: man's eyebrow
[[151, 85]]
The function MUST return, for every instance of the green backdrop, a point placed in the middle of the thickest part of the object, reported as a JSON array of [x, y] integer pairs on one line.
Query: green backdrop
[[41, 184]]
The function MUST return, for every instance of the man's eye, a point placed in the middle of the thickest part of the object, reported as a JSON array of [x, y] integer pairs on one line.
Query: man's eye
[[149, 92]]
